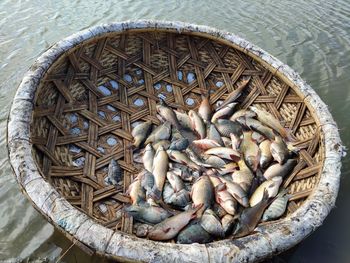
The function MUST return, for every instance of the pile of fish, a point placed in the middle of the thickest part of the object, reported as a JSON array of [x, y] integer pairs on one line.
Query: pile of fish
[[209, 174]]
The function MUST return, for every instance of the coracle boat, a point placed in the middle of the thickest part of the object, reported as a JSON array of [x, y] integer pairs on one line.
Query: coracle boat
[[75, 108]]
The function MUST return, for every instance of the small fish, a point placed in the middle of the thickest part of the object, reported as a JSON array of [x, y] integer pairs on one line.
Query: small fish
[[236, 141], [182, 158], [227, 142], [259, 138], [251, 216], [137, 157], [243, 177], [194, 233], [202, 192], [206, 144], [269, 120], [271, 186], [171, 226], [175, 181], [234, 94], [142, 230], [204, 109], [213, 161], [250, 150], [236, 191], [147, 181], [168, 114], [184, 172], [280, 169], [148, 157], [180, 198], [140, 133], [213, 134], [225, 111], [265, 154], [160, 168], [223, 152], [279, 150], [257, 126], [147, 214], [179, 145], [243, 113], [136, 193], [183, 119], [218, 210], [226, 127], [197, 124], [164, 143], [215, 180], [224, 199], [277, 207], [115, 173], [211, 223], [162, 132], [228, 222], [228, 168]]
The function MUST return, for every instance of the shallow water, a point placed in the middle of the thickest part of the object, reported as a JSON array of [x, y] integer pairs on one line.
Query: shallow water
[[313, 37]]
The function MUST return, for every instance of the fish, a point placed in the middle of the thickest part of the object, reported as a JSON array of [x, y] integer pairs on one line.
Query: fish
[[147, 181], [182, 158], [211, 223], [179, 144], [218, 210], [164, 143], [213, 134], [279, 150], [176, 183], [225, 200], [280, 169], [183, 119], [114, 174], [227, 142], [171, 226], [215, 180], [160, 168], [228, 168], [205, 144], [250, 150], [194, 233], [236, 191], [269, 120], [148, 157], [228, 222], [136, 192], [236, 141], [184, 172], [142, 230], [225, 153], [162, 132], [227, 110], [259, 138], [225, 127], [204, 109], [197, 123], [146, 213], [168, 114], [231, 97], [140, 133], [137, 157], [251, 216], [180, 198], [243, 177], [202, 193], [257, 126], [265, 154], [277, 208], [271, 186], [243, 113], [213, 161]]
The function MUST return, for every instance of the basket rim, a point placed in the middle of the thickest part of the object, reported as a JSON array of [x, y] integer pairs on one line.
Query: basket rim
[[270, 239]]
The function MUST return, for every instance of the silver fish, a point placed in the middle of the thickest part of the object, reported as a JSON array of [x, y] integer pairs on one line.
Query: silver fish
[[280, 169], [183, 119], [164, 143], [228, 222], [279, 150], [277, 207], [206, 144], [228, 168], [234, 94], [223, 152], [250, 150], [140, 133], [175, 181], [243, 177], [194, 233], [225, 111], [257, 126], [226, 127], [147, 214], [213, 161], [265, 154], [182, 158], [271, 186], [213, 134], [115, 173], [197, 124], [243, 113], [202, 192], [160, 168], [236, 191], [148, 157], [147, 181], [224, 199], [236, 141], [204, 109], [162, 132], [179, 144], [168, 114], [211, 223]]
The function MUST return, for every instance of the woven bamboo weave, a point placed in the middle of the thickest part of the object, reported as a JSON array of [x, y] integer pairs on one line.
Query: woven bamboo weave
[[92, 96]]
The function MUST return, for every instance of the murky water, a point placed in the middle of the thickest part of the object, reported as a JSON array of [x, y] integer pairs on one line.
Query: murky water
[[313, 37]]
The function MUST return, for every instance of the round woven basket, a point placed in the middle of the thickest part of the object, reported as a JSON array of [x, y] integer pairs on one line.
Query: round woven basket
[[77, 104]]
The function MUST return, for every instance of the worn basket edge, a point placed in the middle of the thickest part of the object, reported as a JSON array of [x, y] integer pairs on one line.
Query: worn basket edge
[[271, 239]]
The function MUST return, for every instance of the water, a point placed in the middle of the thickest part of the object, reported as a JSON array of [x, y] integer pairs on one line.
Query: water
[[313, 37]]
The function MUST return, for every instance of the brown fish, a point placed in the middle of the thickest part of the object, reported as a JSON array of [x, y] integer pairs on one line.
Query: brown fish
[[202, 192], [257, 126], [148, 157], [223, 152], [226, 127], [234, 94], [243, 113], [250, 150], [183, 119], [160, 168], [171, 226], [162, 132], [136, 192], [236, 191], [225, 111], [140, 133], [225, 200], [279, 150], [213, 134], [204, 109], [168, 114], [265, 154], [197, 123], [243, 177]]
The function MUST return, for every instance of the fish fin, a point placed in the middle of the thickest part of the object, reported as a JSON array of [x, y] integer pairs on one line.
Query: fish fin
[[220, 187]]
